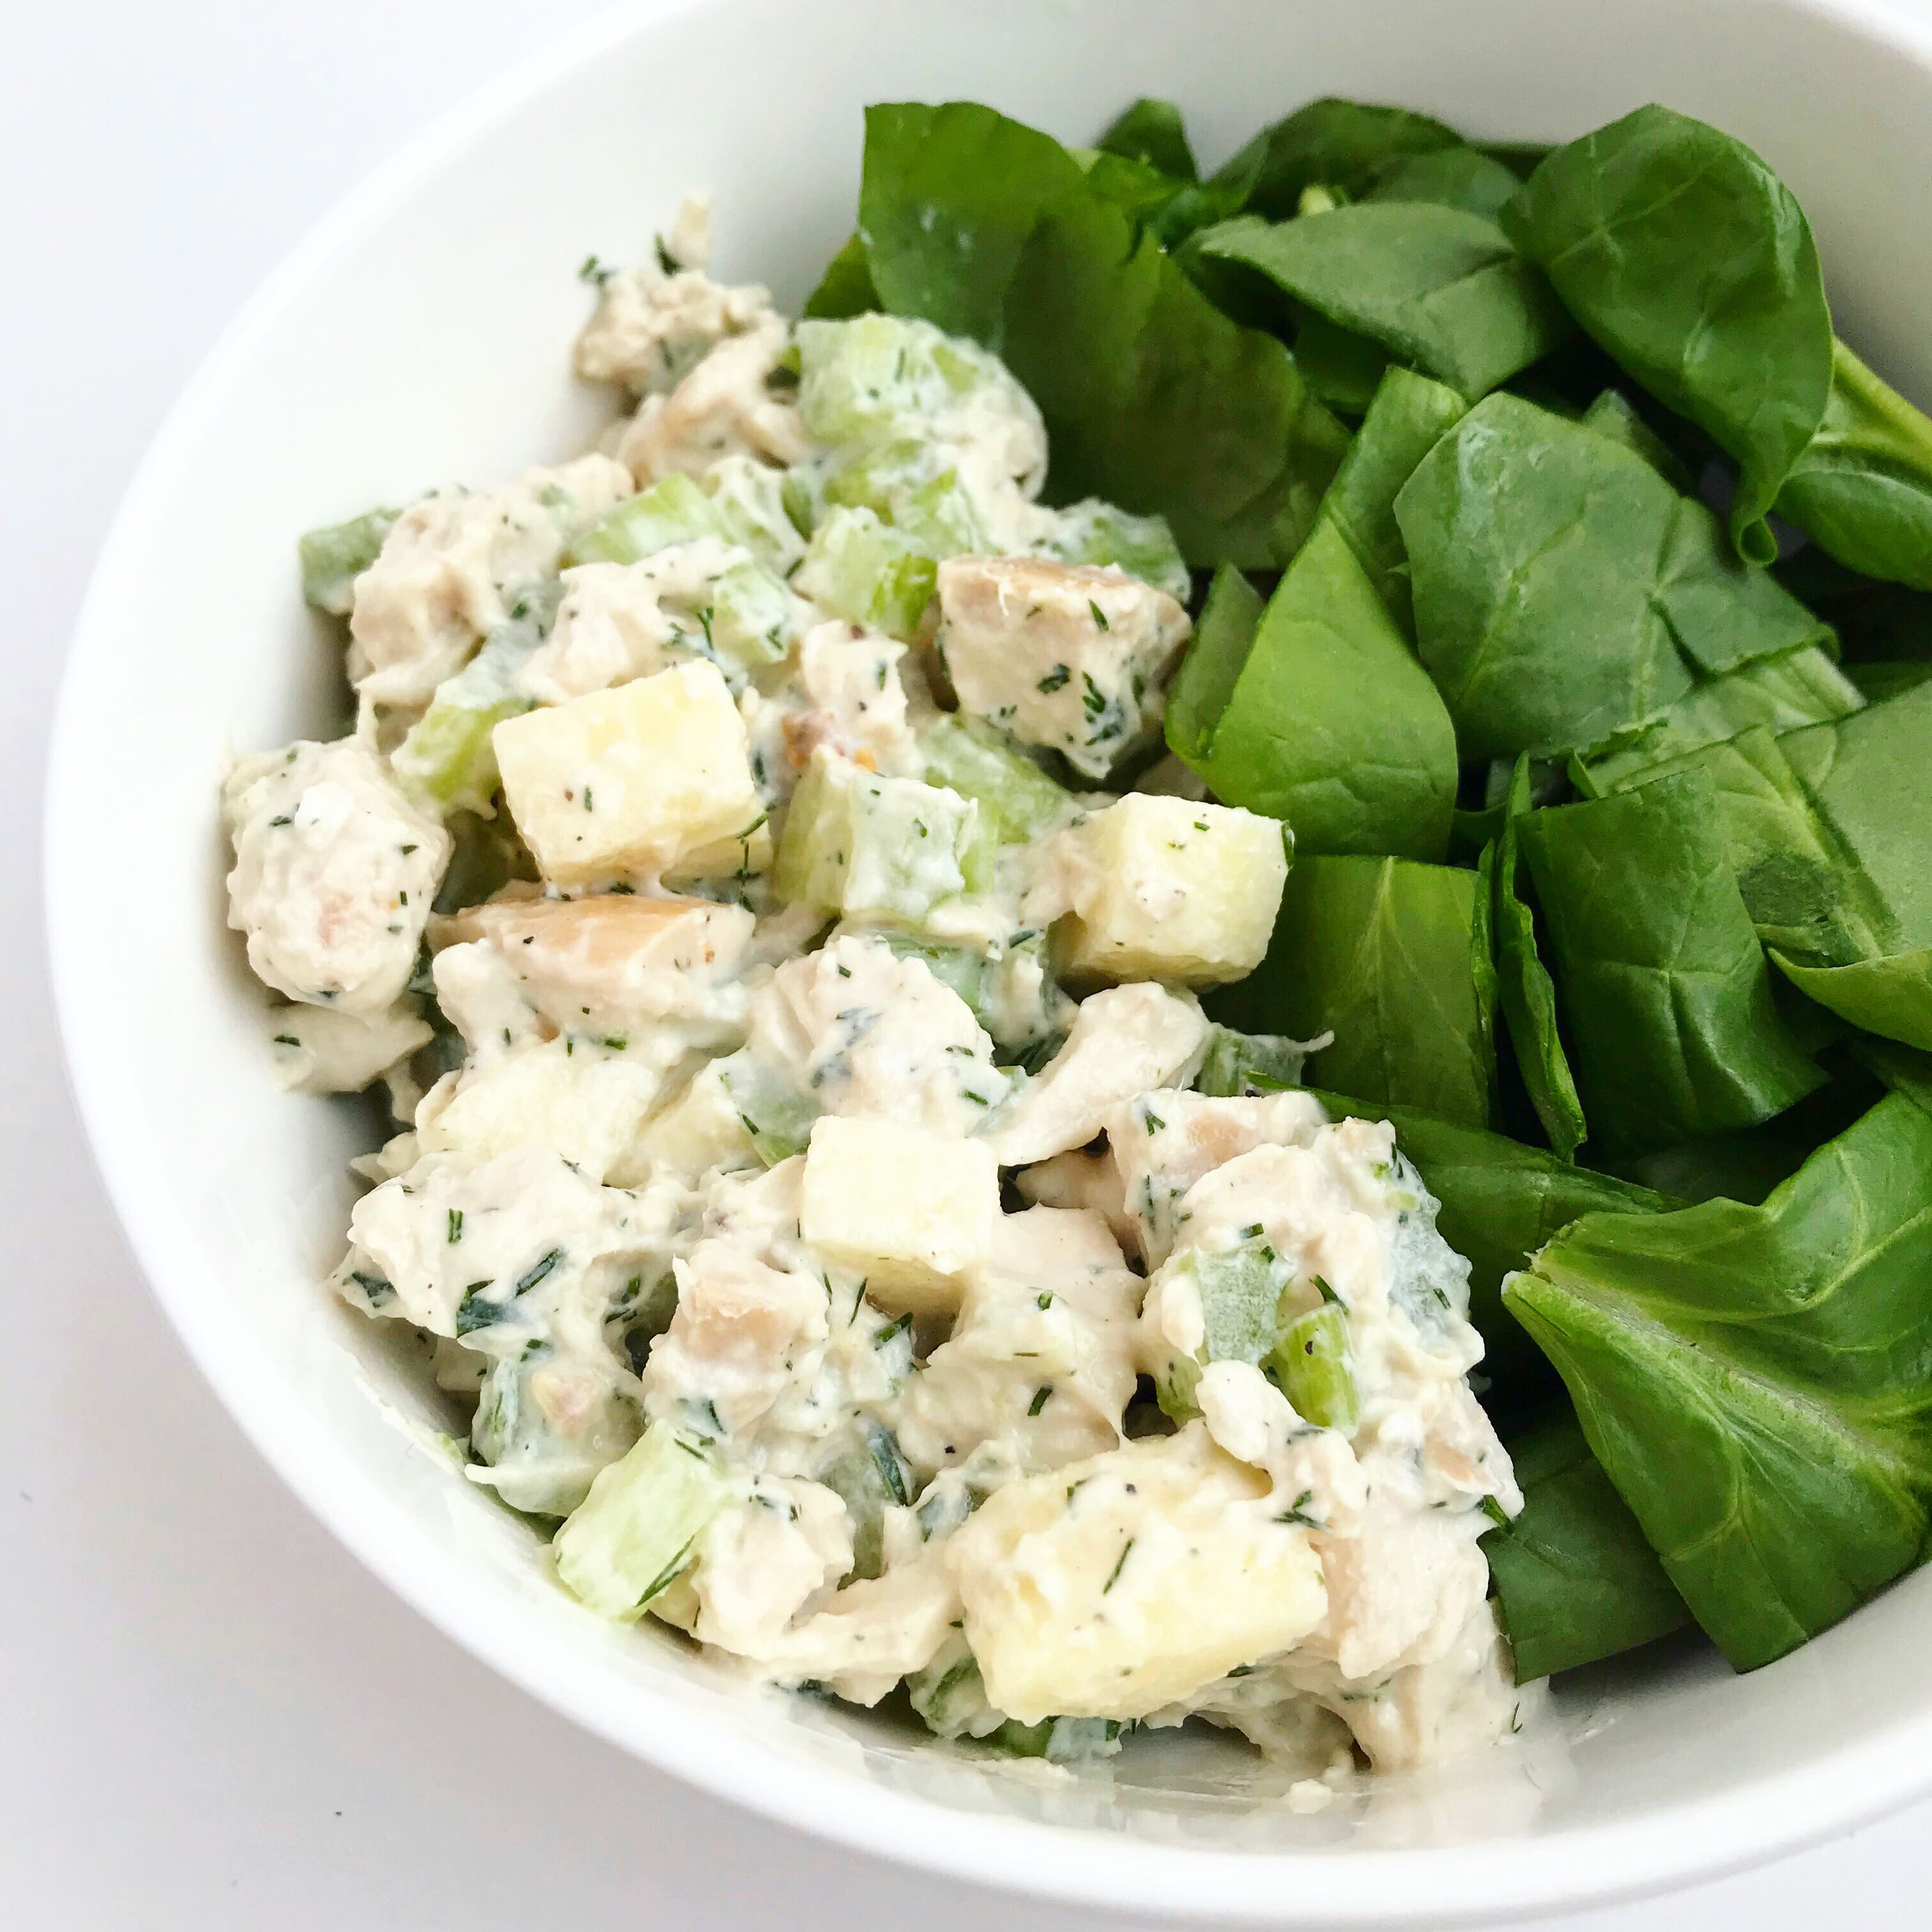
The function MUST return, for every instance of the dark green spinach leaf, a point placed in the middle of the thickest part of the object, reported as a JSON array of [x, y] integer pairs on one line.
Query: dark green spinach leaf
[[1436, 287], [1156, 401], [1688, 259], [1664, 989], [1800, 687], [1408, 414], [845, 289], [1152, 130], [1341, 368], [1464, 178], [949, 197], [1614, 415], [1757, 1381], [1344, 145], [1863, 488], [1529, 996], [1576, 1580], [1324, 718], [1381, 951], [1564, 592]]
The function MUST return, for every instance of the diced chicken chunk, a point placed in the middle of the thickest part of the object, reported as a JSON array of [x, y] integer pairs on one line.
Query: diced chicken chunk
[[1041, 1360], [620, 621], [443, 579], [863, 1032], [724, 407], [1161, 1143], [614, 964], [320, 1051], [1124, 1041], [1063, 656], [651, 329], [335, 871]]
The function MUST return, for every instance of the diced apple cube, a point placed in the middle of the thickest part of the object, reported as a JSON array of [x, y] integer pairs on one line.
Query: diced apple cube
[[587, 1105], [630, 780], [1165, 889], [1110, 1587], [913, 1212]]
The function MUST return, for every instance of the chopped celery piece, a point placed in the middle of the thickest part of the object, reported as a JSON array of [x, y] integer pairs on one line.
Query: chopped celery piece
[[752, 619], [776, 1115], [1312, 1364], [1238, 1064], [749, 496], [979, 761], [859, 569], [871, 848], [910, 484], [861, 379], [1240, 1298], [533, 1466], [1060, 1740], [634, 1533], [673, 510], [449, 759], [335, 555], [1096, 532], [948, 1695], [870, 1476]]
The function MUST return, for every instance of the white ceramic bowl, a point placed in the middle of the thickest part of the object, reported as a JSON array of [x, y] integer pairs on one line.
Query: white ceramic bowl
[[421, 336]]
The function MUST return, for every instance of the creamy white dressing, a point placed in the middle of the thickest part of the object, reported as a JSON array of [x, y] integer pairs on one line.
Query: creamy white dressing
[[681, 1154]]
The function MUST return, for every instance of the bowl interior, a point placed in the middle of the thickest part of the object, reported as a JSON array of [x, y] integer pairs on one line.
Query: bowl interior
[[423, 337]]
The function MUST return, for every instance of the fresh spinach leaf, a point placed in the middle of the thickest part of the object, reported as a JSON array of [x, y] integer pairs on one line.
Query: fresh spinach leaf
[[1664, 990], [1687, 258], [1863, 488], [1344, 145], [1614, 415], [949, 198], [1142, 189], [1528, 995], [1864, 778], [1800, 687], [1408, 414], [1152, 131], [1564, 592], [1224, 636], [1501, 1201], [845, 289], [1576, 1580], [1341, 368], [1381, 953], [1464, 178], [1757, 1381], [1873, 622], [1326, 720], [1904, 1070], [1153, 398], [1877, 682], [1436, 287]]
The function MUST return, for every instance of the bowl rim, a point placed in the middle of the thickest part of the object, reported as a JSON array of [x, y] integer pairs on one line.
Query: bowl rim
[[1463, 1884]]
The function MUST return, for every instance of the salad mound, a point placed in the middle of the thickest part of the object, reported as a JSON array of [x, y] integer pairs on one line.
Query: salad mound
[[1180, 967]]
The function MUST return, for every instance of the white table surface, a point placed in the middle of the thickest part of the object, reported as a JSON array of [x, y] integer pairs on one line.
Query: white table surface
[[211, 1717]]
